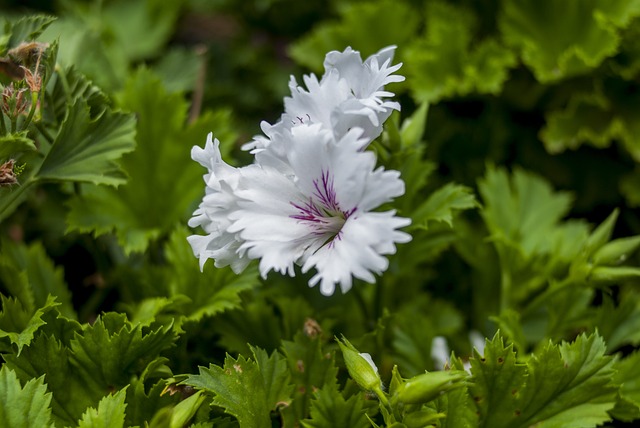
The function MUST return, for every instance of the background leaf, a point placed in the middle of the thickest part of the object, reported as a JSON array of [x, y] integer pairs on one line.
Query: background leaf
[[23, 407]]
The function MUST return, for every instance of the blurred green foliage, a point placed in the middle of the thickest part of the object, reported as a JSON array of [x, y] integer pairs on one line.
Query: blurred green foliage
[[518, 143]]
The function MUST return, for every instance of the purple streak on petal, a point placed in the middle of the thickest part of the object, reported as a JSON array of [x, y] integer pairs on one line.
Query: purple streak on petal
[[322, 211]]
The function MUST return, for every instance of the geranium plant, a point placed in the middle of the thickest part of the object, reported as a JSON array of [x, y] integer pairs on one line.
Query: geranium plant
[[401, 244]]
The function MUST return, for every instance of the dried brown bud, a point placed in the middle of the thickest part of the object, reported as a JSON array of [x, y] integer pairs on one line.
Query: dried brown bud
[[7, 173], [28, 53], [14, 103], [34, 80], [311, 328]]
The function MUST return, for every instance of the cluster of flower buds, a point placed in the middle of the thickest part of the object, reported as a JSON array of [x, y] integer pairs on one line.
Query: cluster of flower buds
[[24, 65], [307, 199]]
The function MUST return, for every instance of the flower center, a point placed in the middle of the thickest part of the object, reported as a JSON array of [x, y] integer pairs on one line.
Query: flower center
[[322, 211]]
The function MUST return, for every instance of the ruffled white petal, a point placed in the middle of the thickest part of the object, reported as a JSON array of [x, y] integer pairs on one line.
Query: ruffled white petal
[[308, 197]]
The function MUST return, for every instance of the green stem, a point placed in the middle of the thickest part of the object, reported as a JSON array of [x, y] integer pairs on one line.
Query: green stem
[[505, 280], [32, 110]]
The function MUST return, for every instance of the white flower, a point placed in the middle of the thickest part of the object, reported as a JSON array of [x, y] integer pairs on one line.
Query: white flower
[[313, 210], [220, 200], [350, 94]]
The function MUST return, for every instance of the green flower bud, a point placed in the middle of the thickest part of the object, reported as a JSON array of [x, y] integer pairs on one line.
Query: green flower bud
[[426, 387], [616, 251], [361, 367], [608, 275]]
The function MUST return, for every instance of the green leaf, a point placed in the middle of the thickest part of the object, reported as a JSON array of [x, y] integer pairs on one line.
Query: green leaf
[[71, 394], [164, 182], [449, 60], [86, 148], [398, 19], [20, 324], [498, 381], [211, 291], [311, 369], [23, 407], [26, 29], [330, 409], [597, 118], [38, 277], [521, 210], [178, 68], [457, 405], [142, 406], [523, 214], [110, 412], [628, 376], [112, 349], [443, 204], [560, 39], [567, 385], [70, 84], [619, 325], [13, 145], [413, 127], [247, 389], [102, 40]]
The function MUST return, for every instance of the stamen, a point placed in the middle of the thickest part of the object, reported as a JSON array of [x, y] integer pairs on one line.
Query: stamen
[[322, 212]]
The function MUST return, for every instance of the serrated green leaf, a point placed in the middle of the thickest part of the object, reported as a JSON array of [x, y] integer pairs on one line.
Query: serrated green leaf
[[109, 414], [443, 204], [69, 85], [399, 20], [142, 406], [27, 29], [559, 39], [112, 349], [523, 215], [247, 389], [498, 380], [211, 291], [71, 394], [627, 62], [449, 60], [597, 118], [164, 182], [38, 279], [23, 407], [20, 324], [619, 325], [521, 209], [86, 148], [330, 409], [628, 376], [569, 385], [310, 369], [13, 145]]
